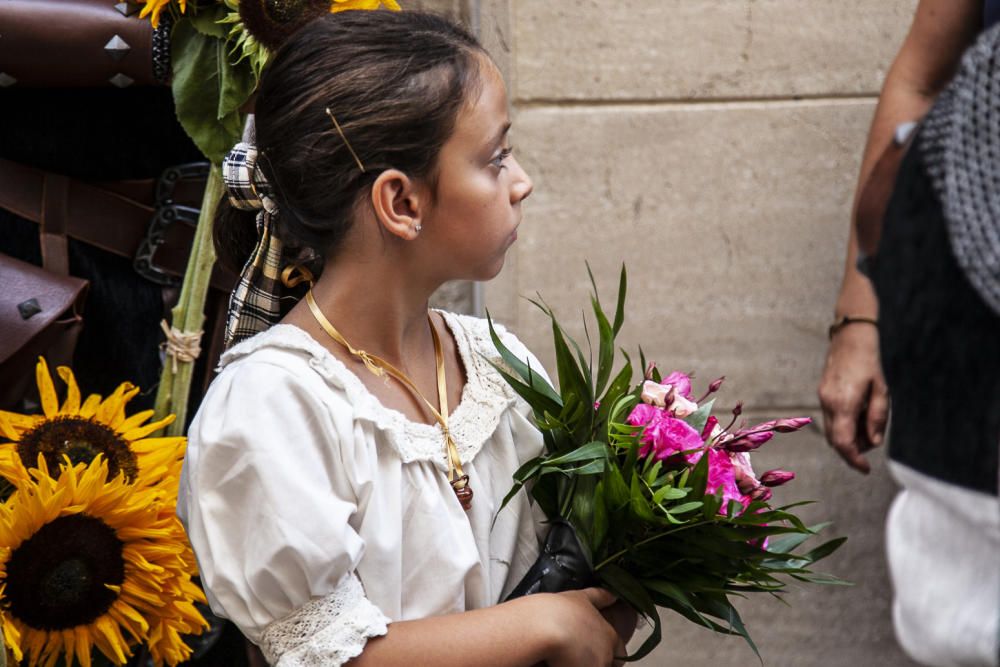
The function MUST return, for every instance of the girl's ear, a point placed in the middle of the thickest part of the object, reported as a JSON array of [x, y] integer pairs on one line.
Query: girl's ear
[[399, 203]]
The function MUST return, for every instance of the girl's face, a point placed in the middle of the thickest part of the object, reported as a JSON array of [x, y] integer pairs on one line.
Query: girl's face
[[480, 186]]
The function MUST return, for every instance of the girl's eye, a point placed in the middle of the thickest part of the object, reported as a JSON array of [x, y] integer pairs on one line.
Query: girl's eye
[[501, 156]]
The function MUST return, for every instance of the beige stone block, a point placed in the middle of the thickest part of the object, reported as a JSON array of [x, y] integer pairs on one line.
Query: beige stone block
[[704, 49], [822, 626], [449, 8], [732, 220]]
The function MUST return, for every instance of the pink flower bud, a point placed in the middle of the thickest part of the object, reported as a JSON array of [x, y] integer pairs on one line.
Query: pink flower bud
[[650, 367], [738, 410], [791, 424], [714, 387], [761, 493], [747, 442], [710, 425], [776, 477]]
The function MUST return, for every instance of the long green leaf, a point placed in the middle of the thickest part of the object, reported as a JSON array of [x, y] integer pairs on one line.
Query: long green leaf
[[623, 584], [532, 378]]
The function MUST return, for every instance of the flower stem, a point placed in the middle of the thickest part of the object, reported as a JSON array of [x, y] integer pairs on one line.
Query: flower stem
[[189, 313]]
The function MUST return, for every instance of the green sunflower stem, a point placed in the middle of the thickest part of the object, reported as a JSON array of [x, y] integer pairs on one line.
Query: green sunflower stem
[[189, 313]]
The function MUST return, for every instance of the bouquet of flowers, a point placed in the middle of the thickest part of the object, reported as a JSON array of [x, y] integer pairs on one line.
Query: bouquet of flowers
[[94, 564], [649, 494]]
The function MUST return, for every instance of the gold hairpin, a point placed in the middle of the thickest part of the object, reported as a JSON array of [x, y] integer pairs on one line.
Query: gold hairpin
[[344, 137]]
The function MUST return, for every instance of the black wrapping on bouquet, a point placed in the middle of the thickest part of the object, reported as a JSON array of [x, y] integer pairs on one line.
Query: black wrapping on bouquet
[[563, 565]]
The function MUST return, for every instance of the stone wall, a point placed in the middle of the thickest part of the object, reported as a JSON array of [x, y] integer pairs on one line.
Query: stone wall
[[713, 146]]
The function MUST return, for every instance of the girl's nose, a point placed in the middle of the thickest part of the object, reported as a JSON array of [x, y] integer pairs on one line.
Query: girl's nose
[[521, 185]]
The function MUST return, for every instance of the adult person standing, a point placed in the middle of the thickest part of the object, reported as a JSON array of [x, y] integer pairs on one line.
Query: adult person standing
[[935, 294]]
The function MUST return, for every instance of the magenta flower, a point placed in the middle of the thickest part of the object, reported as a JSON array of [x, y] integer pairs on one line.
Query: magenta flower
[[642, 414], [681, 382], [664, 435], [721, 475], [787, 425], [747, 440]]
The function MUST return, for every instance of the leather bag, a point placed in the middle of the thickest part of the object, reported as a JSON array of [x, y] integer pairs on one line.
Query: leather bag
[[79, 43], [40, 315]]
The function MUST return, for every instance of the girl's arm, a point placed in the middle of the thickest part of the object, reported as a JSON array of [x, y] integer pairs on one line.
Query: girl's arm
[[852, 391], [560, 629]]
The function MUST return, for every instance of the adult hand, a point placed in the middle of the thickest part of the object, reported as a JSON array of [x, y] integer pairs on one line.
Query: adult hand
[[623, 618], [583, 637], [853, 394]]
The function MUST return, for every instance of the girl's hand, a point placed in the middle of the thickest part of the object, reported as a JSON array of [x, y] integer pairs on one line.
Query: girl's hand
[[580, 635]]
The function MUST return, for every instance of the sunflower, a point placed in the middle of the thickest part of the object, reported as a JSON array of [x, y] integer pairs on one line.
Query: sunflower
[[81, 431], [344, 5], [153, 9], [89, 562]]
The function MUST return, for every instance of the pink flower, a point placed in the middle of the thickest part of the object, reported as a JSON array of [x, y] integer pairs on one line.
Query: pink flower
[[642, 414], [668, 396], [746, 480], [681, 382], [776, 477], [721, 475], [655, 393], [664, 435]]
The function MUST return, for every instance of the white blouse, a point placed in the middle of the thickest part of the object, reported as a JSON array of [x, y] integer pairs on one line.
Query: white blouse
[[318, 515]]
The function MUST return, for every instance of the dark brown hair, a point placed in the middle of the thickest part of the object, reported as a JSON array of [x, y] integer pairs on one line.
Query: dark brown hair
[[395, 81]]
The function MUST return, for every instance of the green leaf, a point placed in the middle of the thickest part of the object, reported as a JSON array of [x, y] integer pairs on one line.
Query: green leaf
[[620, 307], [824, 550], [617, 489], [588, 452], [237, 84], [686, 507], [200, 72], [600, 529], [699, 417], [532, 378], [722, 608], [669, 493], [628, 588], [207, 21], [539, 401]]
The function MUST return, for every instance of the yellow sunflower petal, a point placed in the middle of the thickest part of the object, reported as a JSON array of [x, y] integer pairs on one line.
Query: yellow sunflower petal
[[71, 405], [12, 638], [7, 429], [135, 420], [90, 406], [22, 422], [82, 646], [151, 427], [46, 390]]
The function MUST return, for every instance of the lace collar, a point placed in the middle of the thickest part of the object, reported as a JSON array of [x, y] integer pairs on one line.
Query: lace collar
[[485, 397]]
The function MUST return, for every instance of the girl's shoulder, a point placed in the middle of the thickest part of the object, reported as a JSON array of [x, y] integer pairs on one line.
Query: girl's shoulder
[[474, 340]]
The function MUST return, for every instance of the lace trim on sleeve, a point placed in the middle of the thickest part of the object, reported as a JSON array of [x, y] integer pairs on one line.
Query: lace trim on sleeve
[[325, 632]]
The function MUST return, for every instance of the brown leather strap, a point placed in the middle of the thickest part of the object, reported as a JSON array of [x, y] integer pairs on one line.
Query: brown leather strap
[[54, 222], [112, 216]]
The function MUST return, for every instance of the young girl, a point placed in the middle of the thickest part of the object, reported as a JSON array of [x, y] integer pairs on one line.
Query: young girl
[[340, 511]]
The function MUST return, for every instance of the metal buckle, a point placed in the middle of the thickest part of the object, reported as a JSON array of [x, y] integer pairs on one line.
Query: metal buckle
[[166, 213]]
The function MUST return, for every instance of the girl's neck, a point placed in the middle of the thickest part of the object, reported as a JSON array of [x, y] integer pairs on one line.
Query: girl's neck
[[376, 306]]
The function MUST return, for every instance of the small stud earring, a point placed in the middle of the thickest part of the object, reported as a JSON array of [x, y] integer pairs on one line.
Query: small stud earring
[[417, 228]]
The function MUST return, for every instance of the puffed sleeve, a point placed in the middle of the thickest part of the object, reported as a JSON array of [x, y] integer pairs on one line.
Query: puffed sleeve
[[267, 499]]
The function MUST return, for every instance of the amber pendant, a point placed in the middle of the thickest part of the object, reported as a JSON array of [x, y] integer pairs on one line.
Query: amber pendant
[[463, 491]]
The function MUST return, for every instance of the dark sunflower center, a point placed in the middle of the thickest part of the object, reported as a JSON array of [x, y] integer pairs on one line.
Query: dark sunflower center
[[57, 578], [79, 439]]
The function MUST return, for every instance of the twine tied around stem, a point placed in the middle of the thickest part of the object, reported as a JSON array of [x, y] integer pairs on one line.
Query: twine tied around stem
[[180, 346]]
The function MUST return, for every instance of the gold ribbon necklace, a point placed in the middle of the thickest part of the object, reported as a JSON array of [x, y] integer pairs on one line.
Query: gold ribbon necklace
[[380, 367]]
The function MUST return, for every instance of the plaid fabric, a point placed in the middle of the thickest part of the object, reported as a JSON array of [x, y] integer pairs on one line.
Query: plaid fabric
[[254, 304]]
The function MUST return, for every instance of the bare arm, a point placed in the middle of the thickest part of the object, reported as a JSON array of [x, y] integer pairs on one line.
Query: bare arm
[[852, 391], [562, 630]]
